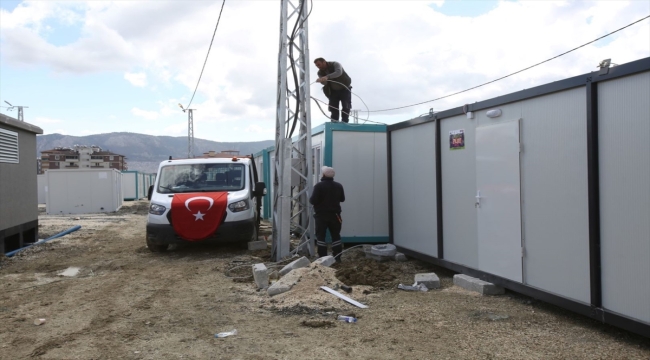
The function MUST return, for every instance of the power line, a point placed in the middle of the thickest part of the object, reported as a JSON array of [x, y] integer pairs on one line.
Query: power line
[[514, 73], [208, 54]]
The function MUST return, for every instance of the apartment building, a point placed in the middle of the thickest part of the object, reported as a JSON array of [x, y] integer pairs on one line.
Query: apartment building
[[81, 157]]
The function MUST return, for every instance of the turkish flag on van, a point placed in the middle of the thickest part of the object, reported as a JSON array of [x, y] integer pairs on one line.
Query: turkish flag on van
[[196, 216]]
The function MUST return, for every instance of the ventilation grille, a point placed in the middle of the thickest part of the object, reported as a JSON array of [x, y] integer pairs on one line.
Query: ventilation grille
[[8, 146]]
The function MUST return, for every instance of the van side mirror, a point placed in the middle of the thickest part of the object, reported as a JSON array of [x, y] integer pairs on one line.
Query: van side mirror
[[260, 189], [149, 192]]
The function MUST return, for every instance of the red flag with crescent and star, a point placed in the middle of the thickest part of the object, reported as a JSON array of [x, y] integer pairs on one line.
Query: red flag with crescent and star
[[196, 216]]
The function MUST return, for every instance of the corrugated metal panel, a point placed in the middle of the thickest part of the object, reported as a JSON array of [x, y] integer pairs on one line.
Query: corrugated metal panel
[[414, 188], [458, 189], [354, 158], [554, 193], [380, 186], [624, 133]]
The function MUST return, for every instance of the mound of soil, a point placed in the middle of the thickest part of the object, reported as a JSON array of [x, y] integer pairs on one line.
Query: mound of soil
[[366, 272]]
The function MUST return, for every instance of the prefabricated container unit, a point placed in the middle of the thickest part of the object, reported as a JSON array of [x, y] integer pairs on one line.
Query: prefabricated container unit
[[263, 164], [357, 152], [83, 191], [134, 184], [41, 184], [544, 191]]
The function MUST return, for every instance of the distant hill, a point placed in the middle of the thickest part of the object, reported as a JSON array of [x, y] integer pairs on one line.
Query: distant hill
[[145, 152]]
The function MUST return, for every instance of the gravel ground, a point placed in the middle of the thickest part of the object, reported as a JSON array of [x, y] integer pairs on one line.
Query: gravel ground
[[128, 303]]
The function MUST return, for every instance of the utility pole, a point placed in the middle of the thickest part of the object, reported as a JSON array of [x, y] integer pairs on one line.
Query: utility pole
[[20, 110], [190, 131], [293, 160]]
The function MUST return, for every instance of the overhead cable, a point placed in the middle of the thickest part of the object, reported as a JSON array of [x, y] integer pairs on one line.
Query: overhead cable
[[517, 72], [208, 54]]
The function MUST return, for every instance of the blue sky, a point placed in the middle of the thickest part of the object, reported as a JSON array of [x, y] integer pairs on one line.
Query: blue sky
[[96, 67]]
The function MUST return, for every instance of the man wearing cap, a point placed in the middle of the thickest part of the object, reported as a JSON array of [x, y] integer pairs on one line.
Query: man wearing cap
[[327, 198]]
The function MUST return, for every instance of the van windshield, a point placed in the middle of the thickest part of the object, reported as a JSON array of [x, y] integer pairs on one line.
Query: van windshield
[[201, 178]]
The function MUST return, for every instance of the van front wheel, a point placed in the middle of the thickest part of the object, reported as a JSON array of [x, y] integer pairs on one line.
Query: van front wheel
[[155, 247]]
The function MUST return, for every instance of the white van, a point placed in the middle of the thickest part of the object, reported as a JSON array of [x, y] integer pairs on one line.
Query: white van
[[205, 178]]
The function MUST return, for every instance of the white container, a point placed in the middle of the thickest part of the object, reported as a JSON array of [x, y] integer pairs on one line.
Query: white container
[[83, 191]]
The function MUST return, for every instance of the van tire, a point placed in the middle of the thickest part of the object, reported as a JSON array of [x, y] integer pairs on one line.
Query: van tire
[[155, 247], [244, 242]]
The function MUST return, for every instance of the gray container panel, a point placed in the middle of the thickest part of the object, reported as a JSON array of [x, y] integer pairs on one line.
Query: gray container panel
[[555, 221], [414, 188], [458, 189], [352, 159], [380, 187], [624, 133]]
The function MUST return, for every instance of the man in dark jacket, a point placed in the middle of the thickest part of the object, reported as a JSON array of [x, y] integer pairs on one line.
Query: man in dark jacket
[[327, 198], [337, 90]]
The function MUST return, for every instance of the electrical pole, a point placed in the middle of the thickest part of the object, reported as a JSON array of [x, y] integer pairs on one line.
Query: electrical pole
[[20, 110], [293, 160], [190, 131]]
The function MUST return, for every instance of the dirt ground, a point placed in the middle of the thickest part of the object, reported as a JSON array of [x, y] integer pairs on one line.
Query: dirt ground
[[128, 303]]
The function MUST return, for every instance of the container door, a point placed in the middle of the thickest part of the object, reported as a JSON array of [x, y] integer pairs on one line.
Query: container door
[[498, 203]]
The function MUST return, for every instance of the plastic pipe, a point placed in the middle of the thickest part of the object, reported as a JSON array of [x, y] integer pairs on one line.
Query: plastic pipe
[[72, 229]]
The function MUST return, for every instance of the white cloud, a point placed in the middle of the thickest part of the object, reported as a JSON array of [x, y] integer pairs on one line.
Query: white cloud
[[136, 79], [406, 52], [149, 115]]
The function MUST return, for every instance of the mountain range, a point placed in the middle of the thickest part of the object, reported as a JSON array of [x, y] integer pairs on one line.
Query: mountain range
[[145, 152]]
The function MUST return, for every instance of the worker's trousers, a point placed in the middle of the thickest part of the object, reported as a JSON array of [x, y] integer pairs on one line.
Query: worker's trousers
[[331, 222], [345, 98]]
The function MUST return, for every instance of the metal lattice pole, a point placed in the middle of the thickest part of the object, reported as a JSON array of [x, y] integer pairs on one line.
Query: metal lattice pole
[[190, 133], [293, 157]]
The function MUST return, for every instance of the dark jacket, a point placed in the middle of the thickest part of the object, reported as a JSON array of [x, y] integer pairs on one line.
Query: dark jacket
[[336, 69], [327, 196]]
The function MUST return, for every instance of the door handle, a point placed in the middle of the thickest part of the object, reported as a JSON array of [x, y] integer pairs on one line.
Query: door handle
[[477, 204]]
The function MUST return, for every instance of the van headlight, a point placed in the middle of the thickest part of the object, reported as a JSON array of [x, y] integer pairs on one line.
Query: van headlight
[[156, 209], [238, 206]]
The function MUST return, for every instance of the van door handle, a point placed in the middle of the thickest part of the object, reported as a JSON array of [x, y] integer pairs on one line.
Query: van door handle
[[477, 204]]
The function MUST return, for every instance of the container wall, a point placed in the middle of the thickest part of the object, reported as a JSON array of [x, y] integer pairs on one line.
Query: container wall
[[460, 240], [129, 186], [624, 150], [82, 192], [359, 159], [413, 173], [555, 221], [41, 183]]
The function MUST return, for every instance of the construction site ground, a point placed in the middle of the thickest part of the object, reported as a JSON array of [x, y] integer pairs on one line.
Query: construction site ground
[[128, 303]]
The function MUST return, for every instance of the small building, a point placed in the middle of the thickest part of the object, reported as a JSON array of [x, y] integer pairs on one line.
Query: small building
[[18, 191], [81, 157], [83, 191], [358, 154]]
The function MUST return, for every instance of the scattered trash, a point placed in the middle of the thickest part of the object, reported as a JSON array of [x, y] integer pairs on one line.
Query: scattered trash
[[39, 322], [343, 297], [70, 272], [414, 287], [347, 319], [346, 288], [226, 334]]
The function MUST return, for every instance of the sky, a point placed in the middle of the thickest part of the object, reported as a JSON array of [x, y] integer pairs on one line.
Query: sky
[[90, 67]]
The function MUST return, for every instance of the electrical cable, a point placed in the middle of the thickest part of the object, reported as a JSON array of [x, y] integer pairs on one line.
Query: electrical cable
[[208, 54], [293, 68], [364, 103], [321, 110], [514, 73]]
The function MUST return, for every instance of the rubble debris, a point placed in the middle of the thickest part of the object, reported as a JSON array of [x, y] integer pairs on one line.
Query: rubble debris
[[414, 287], [39, 322], [285, 283], [257, 245], [70, 272], [399, 257], [261, 275], [296, 264], [430, 280], [388, 250], [326, 261]]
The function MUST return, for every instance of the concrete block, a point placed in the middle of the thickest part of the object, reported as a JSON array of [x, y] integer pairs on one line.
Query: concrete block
[[384, 250], [400, 257], [430, 280], [300, 263], [326, 261], [477, 285], [285, 284], [261, 276], [257, 245]]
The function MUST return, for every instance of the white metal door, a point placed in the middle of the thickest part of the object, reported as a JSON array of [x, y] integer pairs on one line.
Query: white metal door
[[498, 203]]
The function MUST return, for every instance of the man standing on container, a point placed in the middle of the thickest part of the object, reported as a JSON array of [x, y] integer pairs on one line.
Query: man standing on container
[[327, 198], [337, 89]]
